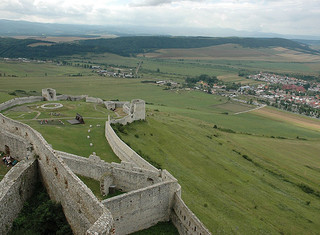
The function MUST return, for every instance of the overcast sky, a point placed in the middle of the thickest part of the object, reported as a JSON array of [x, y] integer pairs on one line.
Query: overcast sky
[[295, 17]]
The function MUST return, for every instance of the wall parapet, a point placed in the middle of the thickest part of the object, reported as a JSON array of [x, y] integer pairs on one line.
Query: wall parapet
[[184, 220], [123, 151], [15, 188], [142, 208], [19, 101]]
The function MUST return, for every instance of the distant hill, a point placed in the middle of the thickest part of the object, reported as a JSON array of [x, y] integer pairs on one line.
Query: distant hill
[[25, 28], [130, 46]]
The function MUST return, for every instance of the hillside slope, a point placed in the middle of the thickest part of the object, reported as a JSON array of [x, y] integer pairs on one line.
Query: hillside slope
[[131, 46]]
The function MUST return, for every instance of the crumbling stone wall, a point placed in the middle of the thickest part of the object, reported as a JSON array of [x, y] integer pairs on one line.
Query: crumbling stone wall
[[15, 188], [94, 100], [17, 145], [112, 105], [124, 176], [49, 94], [141, 209], [134, 110], [71, 97], [19, 101]]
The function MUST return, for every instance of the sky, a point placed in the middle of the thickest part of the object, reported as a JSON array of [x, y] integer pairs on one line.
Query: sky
[[290, 17]]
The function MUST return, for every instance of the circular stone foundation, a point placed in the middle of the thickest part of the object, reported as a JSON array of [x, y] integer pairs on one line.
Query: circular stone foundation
[[52, 106]]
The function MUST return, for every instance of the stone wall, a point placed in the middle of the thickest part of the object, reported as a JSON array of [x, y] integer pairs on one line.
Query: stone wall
[[80, 206], [19, 101], [139, 109], [15, 188], [94, 100], [111, 105], [134, 110], [184, 220], [123, 151], [142, 208], [124, 176], [49, 94], [71, 97], [17, 145]]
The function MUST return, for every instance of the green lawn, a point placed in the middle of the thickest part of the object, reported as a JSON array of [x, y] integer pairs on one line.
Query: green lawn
[[66, 137]]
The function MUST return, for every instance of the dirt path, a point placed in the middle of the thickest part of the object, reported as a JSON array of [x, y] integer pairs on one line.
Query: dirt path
[[260, 107], [38, 114], [298, 120], [61, 118]]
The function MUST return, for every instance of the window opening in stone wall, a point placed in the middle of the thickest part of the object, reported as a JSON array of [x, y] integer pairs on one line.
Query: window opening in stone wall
[[7, 149]]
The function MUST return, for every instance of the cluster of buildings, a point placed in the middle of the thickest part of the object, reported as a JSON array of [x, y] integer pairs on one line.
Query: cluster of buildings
[[277, 79], [287, 93], [113, 72], [24, 60]]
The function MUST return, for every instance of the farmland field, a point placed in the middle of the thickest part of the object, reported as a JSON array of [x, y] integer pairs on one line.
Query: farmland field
[[251, 173]]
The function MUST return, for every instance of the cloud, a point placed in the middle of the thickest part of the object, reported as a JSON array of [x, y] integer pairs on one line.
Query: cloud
[[148, 3], [285, 16]]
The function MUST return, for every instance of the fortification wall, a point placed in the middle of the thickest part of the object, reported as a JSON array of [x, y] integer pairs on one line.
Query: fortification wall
[[80, 206], [94, 100], [123, 121], [139, 109], [123, 151], [142, 208], [19, 101], [17, 145], [124, 176], [71, 97], [15, 188], [111, 105], [126, 108], [184, 220], [134, 110], [49, 94]]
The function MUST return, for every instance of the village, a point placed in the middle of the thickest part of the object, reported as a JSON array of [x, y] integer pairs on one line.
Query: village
[[287, 93]]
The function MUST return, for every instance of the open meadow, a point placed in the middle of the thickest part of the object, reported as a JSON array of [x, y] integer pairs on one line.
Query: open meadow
[[252, 173]]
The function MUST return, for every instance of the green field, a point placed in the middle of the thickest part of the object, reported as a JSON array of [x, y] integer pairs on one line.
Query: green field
[[66, 137], [244, 174]]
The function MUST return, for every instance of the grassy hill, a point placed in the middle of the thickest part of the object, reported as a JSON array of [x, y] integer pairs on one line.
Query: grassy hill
[[131, 46], [255, 172]]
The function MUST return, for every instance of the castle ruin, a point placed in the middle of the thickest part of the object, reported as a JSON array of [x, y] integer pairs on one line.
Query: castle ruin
[[151, 195]]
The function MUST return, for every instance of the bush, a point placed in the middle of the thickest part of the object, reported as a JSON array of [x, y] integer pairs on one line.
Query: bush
[[40, 215]]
